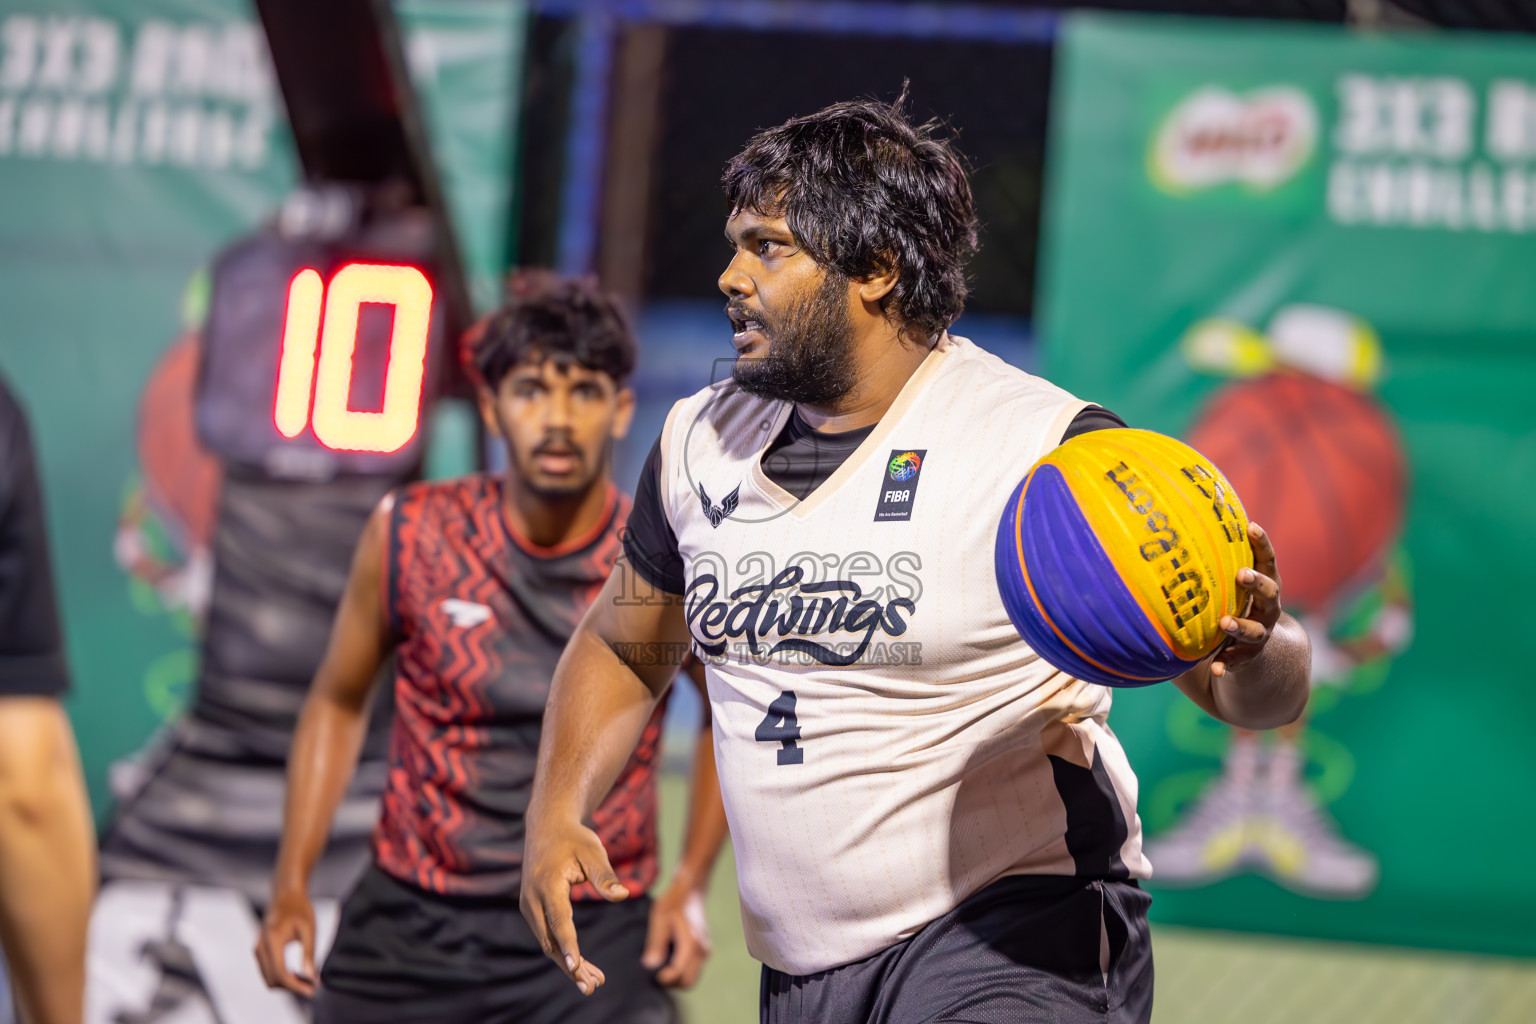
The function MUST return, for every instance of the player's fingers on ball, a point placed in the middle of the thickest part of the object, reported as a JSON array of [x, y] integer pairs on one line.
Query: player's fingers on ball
[[1263, 550], [1263, 603], [1259, 585], [1242, 631]]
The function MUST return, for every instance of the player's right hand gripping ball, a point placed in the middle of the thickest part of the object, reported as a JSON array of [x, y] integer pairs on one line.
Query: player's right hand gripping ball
[[1118, 555]]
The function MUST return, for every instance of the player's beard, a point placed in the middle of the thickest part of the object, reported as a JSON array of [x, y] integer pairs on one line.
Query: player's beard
[[810, 352]]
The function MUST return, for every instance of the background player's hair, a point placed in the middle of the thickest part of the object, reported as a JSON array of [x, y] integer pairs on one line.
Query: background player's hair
[[546, 316], [863, 189]]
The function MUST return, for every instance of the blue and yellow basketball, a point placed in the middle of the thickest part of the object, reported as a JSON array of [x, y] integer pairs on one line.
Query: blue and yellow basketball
[[1118, 555]]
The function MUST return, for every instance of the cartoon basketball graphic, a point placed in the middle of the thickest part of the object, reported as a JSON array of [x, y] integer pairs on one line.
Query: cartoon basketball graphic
[[1320, 466], [166, 525]]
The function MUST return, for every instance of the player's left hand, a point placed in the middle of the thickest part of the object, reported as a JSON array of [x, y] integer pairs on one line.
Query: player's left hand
[[677, 923], [1248, 635]]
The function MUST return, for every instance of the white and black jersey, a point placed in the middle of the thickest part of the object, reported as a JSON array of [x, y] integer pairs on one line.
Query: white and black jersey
[[887, 744]]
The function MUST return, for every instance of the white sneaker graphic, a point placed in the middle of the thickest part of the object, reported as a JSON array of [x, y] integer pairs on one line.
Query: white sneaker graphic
[[1211, 842], [1300, 846]]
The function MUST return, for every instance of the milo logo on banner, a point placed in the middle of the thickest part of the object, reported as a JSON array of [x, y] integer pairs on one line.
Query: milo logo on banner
[[1436, 152], [1215, 136]]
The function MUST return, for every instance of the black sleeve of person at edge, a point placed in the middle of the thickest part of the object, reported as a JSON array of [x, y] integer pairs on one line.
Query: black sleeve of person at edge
[[651, 545], [31, 644]]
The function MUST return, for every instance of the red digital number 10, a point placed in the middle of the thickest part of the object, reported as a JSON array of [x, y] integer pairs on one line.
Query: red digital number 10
[[329, 378]]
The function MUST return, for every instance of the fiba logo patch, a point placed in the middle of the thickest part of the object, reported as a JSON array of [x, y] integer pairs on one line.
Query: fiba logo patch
[[905, 466], [898, 488]]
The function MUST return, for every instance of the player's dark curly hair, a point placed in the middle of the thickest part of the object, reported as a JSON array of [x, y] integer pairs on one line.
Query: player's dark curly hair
[[864, 190], [546, 316]]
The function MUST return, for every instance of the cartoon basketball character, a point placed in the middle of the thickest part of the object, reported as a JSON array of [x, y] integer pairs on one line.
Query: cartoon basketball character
[[1318, 461], [165, 529]]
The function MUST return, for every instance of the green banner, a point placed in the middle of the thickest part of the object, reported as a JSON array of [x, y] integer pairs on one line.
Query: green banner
[[465, 58], [1308, 252], [136, 138]]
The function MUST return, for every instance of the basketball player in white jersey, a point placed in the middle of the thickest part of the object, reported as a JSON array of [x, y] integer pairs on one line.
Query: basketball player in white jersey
[[931, 823]]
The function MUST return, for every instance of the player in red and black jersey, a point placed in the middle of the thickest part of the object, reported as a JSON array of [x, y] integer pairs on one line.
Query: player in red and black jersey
[[475, 585]]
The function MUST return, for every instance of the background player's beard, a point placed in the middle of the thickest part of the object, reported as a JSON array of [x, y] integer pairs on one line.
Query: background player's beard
[[810, 358]]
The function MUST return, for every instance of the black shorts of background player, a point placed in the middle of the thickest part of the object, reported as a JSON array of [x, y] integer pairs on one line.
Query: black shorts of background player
[[474, 585]]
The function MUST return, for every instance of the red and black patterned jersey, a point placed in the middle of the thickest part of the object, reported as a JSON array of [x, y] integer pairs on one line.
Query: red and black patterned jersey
[[481, 616]]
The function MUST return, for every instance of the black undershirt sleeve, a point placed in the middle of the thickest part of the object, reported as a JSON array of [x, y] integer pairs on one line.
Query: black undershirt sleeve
[[649, 541], [31, 643], [799, 460], [1092, 418]]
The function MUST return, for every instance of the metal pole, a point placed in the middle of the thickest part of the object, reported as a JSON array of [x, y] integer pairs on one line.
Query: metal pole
[[582, 200]]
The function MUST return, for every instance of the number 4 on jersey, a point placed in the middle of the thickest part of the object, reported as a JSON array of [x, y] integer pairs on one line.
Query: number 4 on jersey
[[781, 727]]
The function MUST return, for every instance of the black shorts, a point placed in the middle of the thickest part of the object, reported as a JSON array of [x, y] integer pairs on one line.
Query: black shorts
[[406, 955], [1024, 950]]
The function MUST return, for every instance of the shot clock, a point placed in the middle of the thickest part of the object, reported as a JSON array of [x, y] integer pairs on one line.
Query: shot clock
[[321, 348], [319, 369]]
